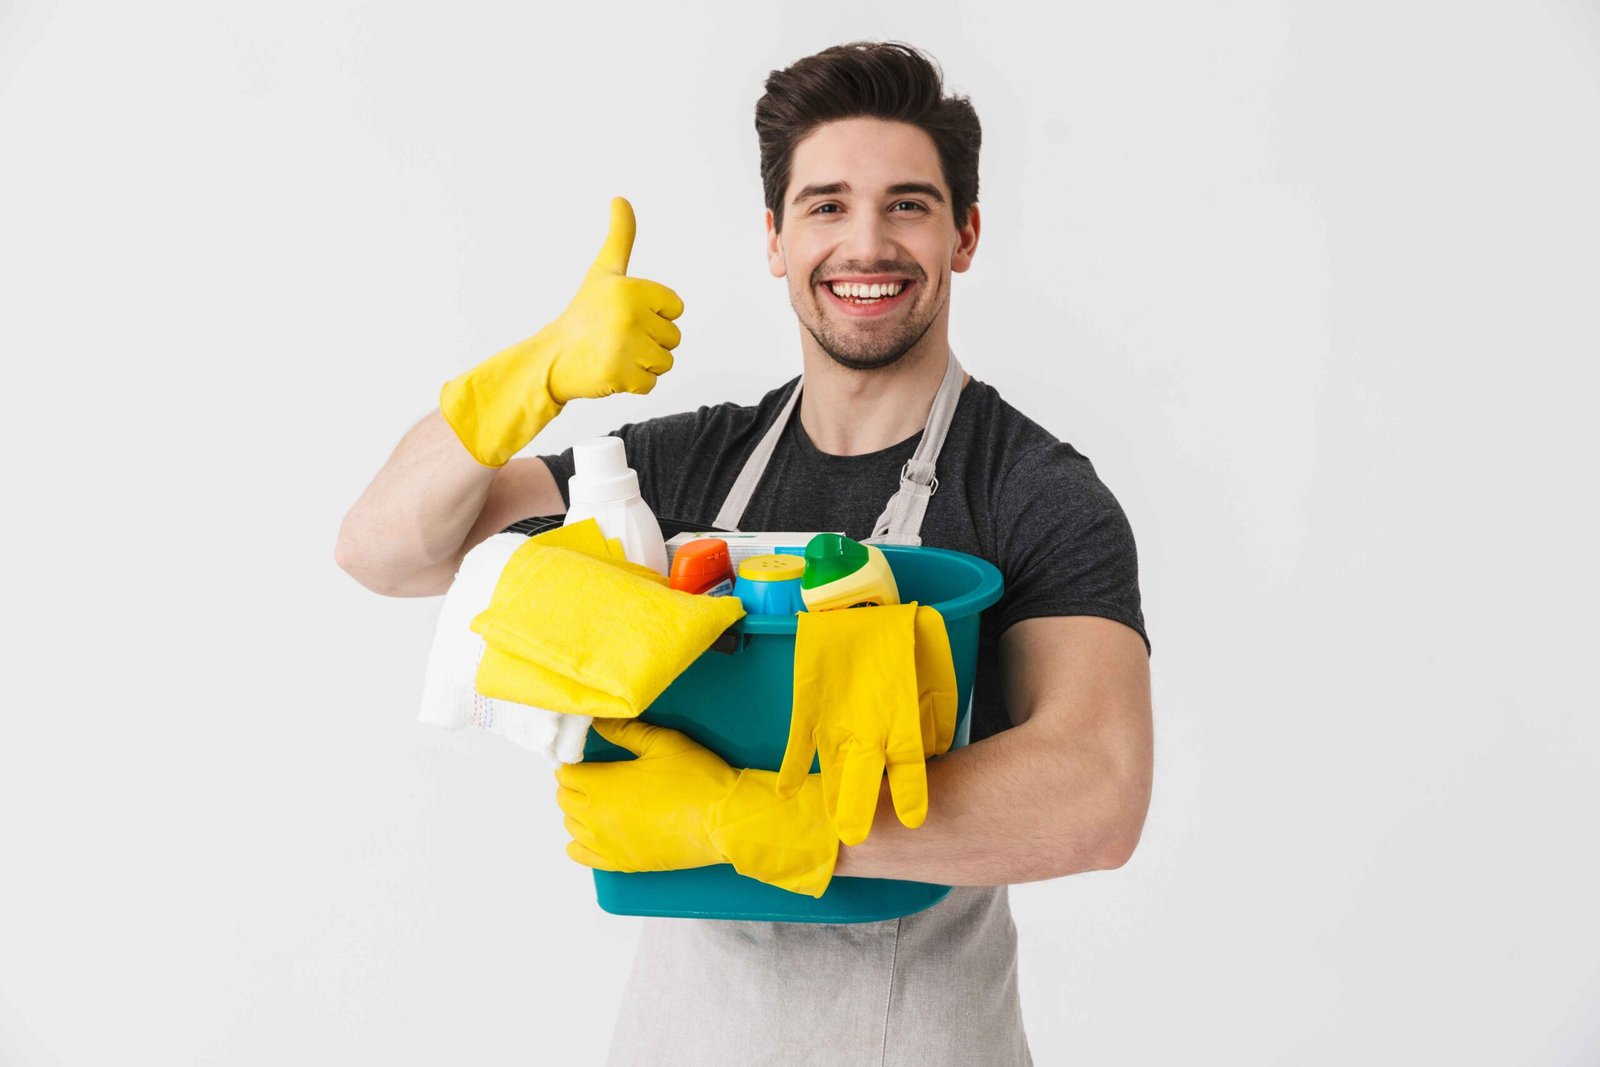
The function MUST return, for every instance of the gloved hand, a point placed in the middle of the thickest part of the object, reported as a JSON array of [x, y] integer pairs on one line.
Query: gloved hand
[[679, 805], [614, 337], [874, 689]]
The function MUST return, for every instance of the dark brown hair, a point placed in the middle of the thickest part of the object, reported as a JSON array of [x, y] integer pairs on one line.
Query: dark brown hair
[[886, 80]]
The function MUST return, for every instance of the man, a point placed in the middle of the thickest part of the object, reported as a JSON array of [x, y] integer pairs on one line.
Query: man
[[870, 178]]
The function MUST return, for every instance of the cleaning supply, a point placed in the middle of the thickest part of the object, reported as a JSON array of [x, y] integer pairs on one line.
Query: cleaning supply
[[604, 488], [938, 694], [770, 585], [584, 536], [841, 573], [702, 566], [614, 337], [873, 691], [579, 636], [741, 707], [450, 698], [677, 805], [741, 546], [449, 689]]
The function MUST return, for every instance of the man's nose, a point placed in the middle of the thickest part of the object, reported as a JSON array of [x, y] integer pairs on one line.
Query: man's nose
[[869, 239]]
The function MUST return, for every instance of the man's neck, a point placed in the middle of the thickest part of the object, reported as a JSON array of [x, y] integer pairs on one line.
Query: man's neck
[[851, 412]]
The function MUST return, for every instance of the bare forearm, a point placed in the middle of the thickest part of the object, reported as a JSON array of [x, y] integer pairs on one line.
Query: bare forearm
[[404, 535], [1015, 807]]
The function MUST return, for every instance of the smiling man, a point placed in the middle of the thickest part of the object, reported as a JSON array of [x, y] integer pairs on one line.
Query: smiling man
[[854, 250], [870, 175]]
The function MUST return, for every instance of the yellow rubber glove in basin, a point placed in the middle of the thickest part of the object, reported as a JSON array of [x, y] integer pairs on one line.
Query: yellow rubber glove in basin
[[874, 691]]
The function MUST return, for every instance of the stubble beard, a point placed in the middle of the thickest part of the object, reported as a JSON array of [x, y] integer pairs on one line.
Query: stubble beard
[[853, 351]]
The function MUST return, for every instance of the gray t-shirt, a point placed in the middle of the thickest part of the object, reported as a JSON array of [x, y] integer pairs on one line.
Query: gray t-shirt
[[1009, 492]]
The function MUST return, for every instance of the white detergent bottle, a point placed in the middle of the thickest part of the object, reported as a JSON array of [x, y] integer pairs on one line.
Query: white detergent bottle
[[604, 488]]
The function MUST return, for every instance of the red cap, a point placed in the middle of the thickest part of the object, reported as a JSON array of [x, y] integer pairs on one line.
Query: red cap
[[700, 564]]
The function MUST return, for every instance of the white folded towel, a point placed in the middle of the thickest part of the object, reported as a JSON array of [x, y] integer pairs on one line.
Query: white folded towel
[[449, 693]]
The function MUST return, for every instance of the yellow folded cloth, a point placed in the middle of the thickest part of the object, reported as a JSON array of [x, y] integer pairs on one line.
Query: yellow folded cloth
[[874, 691], [585, 537], [578, 635]]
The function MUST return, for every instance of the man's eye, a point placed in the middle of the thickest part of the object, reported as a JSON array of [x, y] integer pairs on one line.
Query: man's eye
[[820, 207], [911, 204]]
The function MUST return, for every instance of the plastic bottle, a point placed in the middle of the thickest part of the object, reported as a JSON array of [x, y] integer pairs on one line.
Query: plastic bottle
[[604, 488], [841, 573], [770, 585]]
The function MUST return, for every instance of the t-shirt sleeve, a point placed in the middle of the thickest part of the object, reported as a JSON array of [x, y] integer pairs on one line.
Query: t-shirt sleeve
[[656, 449], [1065, 545]]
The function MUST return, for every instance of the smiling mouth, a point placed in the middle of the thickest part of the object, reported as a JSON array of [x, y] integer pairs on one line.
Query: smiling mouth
[[864, 295]]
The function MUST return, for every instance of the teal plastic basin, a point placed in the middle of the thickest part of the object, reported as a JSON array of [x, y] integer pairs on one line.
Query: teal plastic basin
[[738, 705]]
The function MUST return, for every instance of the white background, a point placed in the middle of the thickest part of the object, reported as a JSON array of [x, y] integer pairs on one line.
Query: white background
[[1316, 286]]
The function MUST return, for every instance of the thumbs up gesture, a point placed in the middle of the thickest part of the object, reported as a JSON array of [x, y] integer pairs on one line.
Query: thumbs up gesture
[[615, 336]]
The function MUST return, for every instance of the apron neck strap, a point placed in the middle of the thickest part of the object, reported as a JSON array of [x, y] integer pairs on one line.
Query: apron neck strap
[[901, 521]]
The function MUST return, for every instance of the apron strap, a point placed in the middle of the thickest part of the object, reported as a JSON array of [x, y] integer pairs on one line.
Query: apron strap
[[744, 487], [901, 521]]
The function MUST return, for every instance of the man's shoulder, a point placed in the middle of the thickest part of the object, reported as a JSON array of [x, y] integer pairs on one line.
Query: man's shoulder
[[1005, 420], [1011, 443]]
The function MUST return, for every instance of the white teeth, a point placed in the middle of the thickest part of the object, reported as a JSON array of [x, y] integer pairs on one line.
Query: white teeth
[[866, 292]]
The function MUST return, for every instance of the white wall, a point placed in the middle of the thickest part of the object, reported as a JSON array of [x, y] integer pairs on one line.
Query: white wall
[[1314, 285]]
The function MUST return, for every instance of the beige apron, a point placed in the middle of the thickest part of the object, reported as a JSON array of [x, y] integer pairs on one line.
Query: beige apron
[[931, 989]]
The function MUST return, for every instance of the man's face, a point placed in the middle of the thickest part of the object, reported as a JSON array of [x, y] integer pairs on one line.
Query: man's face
[[867, 205]]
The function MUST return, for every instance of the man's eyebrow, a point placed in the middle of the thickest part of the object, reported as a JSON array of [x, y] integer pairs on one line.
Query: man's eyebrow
[[930, 191], [828, 189], [898, 189]]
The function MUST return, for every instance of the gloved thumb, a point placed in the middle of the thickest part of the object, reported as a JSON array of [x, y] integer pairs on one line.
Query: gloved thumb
[[637, 737], [613, 257]]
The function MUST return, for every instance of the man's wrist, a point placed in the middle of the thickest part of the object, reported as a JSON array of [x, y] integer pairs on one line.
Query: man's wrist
[[498, 407]]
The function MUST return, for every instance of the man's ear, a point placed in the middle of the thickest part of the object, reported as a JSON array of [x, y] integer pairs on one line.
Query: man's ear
[[966, 241], [775, 261]]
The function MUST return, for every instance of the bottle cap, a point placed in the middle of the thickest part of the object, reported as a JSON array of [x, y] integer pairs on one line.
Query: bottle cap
[[600, 472], [701, 561], [830, 557], [772, 568]]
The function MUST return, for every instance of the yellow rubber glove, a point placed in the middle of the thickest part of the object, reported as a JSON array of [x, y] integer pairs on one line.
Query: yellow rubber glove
[[937, 694], [874, 690], [615, 337], [679, 805]]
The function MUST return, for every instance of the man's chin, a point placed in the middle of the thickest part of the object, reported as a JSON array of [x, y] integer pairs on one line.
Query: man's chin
[[865, 361], [886, 353]]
